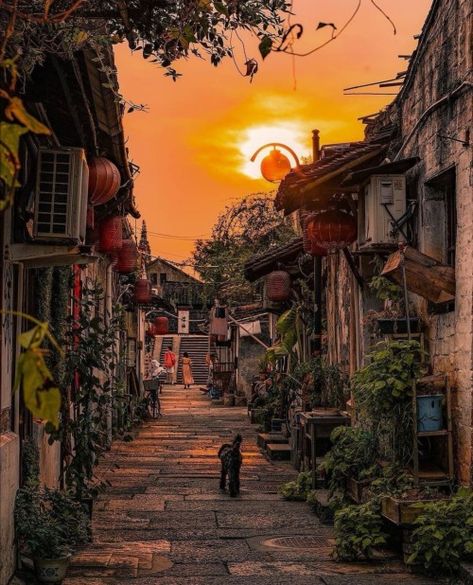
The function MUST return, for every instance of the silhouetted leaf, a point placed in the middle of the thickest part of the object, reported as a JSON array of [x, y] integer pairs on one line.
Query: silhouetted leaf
[[265, 46]]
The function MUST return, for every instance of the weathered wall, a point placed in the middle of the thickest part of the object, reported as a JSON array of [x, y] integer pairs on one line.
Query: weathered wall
[[9, 474], [250, 353], [49, 456], [443, 69]]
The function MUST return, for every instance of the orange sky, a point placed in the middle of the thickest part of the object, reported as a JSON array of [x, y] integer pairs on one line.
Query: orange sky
[[194, 144]]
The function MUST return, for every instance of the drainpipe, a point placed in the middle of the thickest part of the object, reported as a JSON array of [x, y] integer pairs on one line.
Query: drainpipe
[[317, 263]]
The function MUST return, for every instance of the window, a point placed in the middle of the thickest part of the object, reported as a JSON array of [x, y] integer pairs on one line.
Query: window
[[163, 278], [154, 278], [440, 223], [441, 196]]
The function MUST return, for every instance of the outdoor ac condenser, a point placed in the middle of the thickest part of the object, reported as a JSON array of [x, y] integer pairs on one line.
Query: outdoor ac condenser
[[384, 202], [61, 195]]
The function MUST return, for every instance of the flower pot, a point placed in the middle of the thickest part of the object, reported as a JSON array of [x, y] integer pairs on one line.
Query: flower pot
[[51, 570], [357, 489], [393, 326], [429, 413]]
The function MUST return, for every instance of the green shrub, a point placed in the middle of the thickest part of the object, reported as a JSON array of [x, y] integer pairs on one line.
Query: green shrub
[[49, 523], [358, 531], [443, 534], [297, 490], [352, 455]]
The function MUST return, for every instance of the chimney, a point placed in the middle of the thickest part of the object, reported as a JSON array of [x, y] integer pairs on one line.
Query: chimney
[[315, 145]]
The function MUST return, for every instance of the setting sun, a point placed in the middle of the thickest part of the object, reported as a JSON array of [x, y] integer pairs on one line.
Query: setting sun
[[294, 135]]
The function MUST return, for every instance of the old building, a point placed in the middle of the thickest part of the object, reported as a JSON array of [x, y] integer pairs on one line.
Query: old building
[[52, 269], [409, 181]]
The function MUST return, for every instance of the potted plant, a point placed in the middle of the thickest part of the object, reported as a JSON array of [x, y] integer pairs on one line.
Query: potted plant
[[391, 319], [49, 524]]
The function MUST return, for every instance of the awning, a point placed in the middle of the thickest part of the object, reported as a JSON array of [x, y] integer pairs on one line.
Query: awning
[[313, 185], [392, 168], [425, 276], [40, 255]]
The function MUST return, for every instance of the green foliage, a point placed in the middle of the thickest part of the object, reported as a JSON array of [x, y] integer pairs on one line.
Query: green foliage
[[297, 490], [330, 384], [90, 360], [387, 378], [49, 523], [393, 481], [248, 227], [352, 454], [40, 393], [30, 463], [383, 391], [385, 290], [443, 534], [163, 32], [358, 531]]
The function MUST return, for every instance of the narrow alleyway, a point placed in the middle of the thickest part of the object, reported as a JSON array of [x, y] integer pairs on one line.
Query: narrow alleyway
[[164, 522]]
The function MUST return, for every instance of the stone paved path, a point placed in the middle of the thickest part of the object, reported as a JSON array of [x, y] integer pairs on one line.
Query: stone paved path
[[164, 522]]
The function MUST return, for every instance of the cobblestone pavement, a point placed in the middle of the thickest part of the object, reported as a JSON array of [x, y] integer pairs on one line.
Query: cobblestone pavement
[[164, 522]]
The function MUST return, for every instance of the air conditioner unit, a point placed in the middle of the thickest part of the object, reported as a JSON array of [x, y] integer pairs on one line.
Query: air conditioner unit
[[60, 211], [384, 203]]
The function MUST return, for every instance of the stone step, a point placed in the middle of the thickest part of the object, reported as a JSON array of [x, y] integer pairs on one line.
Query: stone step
[[278, 451], [265, 438]]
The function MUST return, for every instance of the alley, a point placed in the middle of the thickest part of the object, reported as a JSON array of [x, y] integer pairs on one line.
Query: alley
[[163, 521]]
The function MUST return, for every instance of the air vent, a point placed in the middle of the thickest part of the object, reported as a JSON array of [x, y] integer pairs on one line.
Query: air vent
[[61, 195]]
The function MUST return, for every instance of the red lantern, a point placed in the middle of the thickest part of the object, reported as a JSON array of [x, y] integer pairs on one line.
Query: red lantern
[[110, 234], [104, 180], [161, 325], [309, 245], [142, 292], [278, 286], [333, 229], [127, 258]]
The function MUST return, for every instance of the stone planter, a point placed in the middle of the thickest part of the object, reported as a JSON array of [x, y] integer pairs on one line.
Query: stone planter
[[51, 570]]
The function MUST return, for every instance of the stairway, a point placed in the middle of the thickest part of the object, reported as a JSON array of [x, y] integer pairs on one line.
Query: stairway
[[197, 347]]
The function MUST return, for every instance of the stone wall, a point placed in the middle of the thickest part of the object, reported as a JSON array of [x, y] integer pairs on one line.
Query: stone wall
[[437, 103]]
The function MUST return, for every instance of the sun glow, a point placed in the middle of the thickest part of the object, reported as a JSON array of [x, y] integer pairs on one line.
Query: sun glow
[[296, 136]]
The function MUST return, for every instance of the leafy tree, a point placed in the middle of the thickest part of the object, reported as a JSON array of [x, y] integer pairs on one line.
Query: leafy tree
[[250, 226], [163, 30]]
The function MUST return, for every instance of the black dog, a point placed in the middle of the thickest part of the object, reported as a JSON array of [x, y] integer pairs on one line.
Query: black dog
[[230, 457]]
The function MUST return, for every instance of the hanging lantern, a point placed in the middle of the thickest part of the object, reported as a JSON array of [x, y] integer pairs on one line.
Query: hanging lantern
[[275, 166], [110, 234], [161, 326], [142, 293], [278, 286], [127, 258], [308, 242], [104, 180], [333, 229]]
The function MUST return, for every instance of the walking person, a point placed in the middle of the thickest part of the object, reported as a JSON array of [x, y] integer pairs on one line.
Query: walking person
[[169, 364], [187, 370]]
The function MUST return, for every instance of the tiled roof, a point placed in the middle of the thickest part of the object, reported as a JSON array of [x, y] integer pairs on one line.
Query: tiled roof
[[263, 264], [300, 186]]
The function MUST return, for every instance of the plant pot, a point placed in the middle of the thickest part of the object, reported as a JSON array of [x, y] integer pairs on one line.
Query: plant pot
[[51, 570], [393, 326], [356, 489], [403, 512]]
